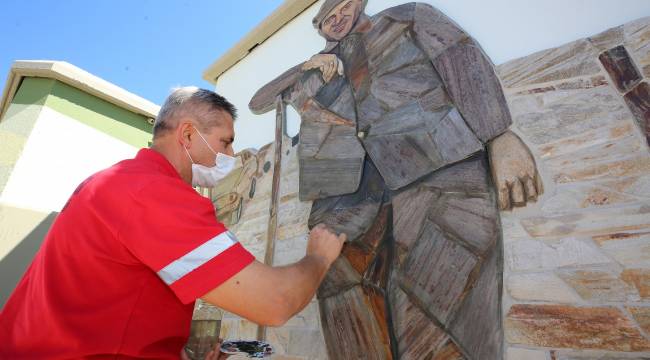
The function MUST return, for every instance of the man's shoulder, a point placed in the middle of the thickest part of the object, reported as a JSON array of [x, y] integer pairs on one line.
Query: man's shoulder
[[402, 13], [129, 177], [407, 12]]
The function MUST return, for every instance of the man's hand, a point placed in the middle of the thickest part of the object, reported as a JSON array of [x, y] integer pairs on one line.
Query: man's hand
[[323, 243], [328, 64], [514, 171], [214, 354]]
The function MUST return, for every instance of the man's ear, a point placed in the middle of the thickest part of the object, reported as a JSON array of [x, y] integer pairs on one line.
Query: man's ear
[[184, 133]]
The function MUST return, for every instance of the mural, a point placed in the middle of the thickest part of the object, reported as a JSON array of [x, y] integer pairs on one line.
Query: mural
[[404, 146]]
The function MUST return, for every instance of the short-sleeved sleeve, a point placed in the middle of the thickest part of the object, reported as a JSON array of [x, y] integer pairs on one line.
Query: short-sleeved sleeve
[[174, 231]]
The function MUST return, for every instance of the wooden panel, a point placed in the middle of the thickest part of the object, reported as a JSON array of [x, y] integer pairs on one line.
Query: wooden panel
[[474, 88], [477, 326], [264, 99], [352, 214], [474, 220], [410, 143], [435, 31], [350, 327], [417, 336], [438, 271], [639, 102]]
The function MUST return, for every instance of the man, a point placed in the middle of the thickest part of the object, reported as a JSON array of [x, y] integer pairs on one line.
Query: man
[[136, 245], [403, 109]]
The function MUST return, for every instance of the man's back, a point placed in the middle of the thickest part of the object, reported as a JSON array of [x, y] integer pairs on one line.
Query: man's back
[[93, 288]]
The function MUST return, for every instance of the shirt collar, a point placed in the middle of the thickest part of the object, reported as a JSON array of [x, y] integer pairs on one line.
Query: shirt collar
[[159, 160]]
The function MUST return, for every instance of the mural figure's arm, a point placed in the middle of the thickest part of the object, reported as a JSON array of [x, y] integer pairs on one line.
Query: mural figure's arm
[[264, 99], [473, 85]]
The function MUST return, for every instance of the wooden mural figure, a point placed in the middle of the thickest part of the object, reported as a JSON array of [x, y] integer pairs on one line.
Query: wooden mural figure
[[403, 120]]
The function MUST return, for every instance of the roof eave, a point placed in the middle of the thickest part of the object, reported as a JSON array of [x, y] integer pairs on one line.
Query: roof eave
[[274, 22], [75, 77]]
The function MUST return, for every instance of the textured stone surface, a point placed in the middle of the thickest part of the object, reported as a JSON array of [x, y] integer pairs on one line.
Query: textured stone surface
[[640, 278], [537, 255], [611, 170], [637, 41], [575, 59], [599, 285], [625, 218], [621, 68], [631, 250], [525, 354], [560, 114], [540, 287], [578, 328], [642, 317], [608, 39]]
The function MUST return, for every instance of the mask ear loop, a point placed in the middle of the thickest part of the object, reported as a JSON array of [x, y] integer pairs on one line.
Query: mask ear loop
[[205, 141], [188, 154]]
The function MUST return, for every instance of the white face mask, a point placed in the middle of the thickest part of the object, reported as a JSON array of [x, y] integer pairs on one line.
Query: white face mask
[[209, 176]]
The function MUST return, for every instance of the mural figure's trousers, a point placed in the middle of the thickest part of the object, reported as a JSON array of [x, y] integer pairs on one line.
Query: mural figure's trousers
[[420, 275]]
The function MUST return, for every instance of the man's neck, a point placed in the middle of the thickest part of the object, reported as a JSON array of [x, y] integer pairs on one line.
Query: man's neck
[[179, 163]]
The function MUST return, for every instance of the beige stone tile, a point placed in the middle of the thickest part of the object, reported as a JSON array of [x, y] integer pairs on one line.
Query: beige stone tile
[[640, 278], [599, 285], [637, 41], [567, 61], [526, 255], [637, 165], [593, 223], [608, 39], [631, 249], [525, 354], [558, 326], [540, 287]]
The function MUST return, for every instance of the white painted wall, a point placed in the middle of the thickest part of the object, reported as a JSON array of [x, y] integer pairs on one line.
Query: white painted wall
[[506, 29], [59, 154]]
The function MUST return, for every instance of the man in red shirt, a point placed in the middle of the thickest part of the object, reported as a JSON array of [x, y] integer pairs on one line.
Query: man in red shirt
[[136, 245]]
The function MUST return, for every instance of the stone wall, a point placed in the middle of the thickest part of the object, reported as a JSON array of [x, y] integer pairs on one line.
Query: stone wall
[[577, 263]]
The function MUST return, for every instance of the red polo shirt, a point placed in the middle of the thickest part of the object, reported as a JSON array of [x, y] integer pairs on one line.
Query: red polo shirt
[[118, 272]]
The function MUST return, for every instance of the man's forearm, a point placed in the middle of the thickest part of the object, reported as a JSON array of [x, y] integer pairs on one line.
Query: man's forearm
[[298, 282]]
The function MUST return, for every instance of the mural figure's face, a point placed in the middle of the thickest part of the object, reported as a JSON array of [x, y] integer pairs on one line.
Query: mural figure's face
[[341, 19]]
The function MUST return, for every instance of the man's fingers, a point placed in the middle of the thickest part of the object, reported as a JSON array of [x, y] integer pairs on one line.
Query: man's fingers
[[531, 192], [517, 193], [328, 71], [504, 197]]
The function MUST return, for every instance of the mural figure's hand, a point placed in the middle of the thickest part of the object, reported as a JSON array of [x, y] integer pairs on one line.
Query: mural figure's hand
[[328, 64], [514, 171]]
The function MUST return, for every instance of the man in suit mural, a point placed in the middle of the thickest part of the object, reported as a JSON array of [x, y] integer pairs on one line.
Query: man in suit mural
[[403, 121]]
